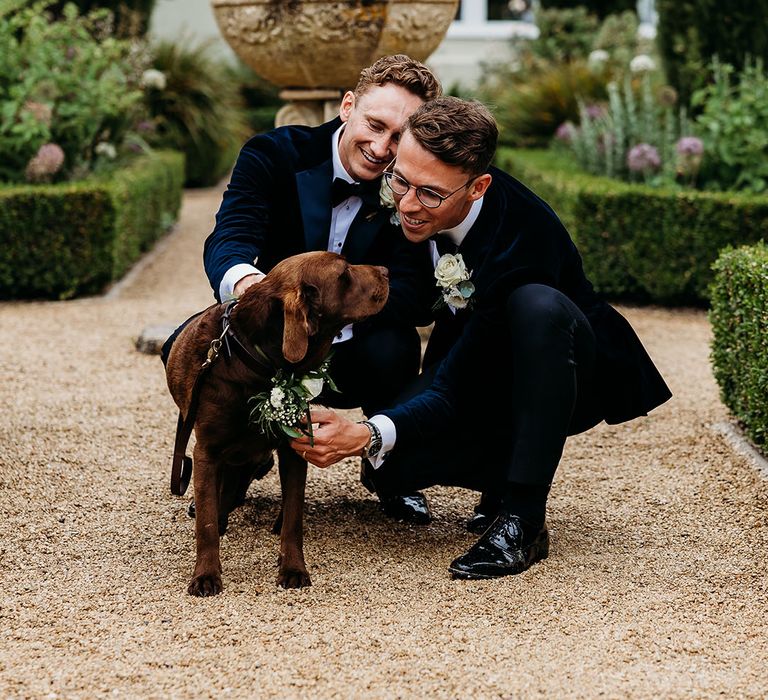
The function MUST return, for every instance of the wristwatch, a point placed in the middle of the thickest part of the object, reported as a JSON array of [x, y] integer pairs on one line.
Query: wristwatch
[[374, 446]]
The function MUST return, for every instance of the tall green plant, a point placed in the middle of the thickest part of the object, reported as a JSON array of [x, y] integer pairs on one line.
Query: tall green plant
[[65, 83], [692, 32], [199, 110]]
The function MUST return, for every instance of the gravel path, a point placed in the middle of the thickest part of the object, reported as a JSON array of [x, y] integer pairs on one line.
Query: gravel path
[[655, 586]]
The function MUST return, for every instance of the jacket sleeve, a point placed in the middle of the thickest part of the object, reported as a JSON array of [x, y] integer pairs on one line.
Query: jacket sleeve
[[243, 219]]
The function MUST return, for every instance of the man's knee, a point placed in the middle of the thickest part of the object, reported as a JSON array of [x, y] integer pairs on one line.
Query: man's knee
[[539, 306]]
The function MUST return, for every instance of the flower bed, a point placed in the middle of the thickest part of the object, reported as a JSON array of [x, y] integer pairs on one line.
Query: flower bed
[[74, 238], [739, 317], [638, 242]]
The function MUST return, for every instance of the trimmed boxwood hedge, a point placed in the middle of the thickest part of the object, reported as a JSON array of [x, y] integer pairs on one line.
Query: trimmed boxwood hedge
[[63, 240], [739, 317], [641, 243]]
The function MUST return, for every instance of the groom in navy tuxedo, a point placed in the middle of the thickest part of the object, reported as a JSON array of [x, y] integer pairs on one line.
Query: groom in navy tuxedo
[[297, 189], [523, 353]]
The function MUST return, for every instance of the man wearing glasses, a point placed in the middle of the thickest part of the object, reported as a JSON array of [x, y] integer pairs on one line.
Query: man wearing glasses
[[297, 189], [531, 353]]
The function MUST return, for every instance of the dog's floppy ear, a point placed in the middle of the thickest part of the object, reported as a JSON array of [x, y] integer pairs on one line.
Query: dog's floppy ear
[[300, 321]]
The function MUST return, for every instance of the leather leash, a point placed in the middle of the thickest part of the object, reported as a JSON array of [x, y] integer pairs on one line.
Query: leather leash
[[181, 467]]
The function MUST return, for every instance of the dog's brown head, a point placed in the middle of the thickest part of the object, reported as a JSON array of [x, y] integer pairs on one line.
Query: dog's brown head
[[320, 293]]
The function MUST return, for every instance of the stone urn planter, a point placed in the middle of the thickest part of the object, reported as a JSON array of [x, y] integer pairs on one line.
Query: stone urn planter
[[315, 49]]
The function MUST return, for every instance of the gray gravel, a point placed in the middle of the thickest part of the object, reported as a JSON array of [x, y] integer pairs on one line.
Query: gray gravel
[[655, 585]]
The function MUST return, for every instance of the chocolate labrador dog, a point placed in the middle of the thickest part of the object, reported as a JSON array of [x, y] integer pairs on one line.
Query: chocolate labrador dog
[[287, 321]]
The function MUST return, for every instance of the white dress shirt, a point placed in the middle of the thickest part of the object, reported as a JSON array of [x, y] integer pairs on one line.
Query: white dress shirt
[[342, 216]]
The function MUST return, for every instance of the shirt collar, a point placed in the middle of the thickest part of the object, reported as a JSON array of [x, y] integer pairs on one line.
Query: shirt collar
[[338, 168], [459, 232]]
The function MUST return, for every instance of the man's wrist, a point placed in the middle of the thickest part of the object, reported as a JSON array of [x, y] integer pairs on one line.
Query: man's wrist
[[373, 447]]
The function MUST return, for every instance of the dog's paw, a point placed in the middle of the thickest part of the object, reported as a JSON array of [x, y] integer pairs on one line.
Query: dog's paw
[[293, 578], [205, 585]]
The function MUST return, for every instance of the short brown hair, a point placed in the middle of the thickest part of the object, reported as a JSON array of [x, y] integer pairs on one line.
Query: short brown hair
[[458, 132], [401, 70]]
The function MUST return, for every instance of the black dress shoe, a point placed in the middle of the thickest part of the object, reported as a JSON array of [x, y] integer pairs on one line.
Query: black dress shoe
[[509, 546], [485, 513], [412, 508]]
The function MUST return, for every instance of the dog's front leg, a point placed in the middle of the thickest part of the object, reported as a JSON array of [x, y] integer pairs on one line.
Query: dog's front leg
[[206, 579], [293, 479]]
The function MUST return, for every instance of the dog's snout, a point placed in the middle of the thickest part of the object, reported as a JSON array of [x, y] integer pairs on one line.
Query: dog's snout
[[383, 270]]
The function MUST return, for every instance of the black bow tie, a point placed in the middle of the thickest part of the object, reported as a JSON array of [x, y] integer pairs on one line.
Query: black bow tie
[[367, 191], [445, 245]]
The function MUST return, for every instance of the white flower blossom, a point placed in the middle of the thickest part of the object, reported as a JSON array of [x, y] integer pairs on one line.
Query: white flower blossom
[[597, 57], [450, 271], [276, 397], [642, 63], [313, 387], [453, 297], [153, 78], [104, 148]]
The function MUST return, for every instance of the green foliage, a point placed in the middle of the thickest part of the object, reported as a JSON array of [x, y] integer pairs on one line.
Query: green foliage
[[739, 317], [74, 238], [529, 106], [199, 111], [68, 83], [564, 35], [641, 243], [618, 36], [603, 144], [692, 32], [260, 98], [131, 17], [733, 123], [601, 8]]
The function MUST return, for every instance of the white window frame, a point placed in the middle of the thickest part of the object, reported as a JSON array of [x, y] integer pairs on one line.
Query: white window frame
[[474, 24]]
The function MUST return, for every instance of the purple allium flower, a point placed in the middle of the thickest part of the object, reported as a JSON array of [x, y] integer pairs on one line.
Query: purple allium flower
[[689, 146], [145, 126], [595, 111], [565, 132], [643, 158], [45, 164]]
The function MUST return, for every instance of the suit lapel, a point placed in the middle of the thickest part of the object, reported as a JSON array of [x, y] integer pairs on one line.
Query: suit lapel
[[314, 187]]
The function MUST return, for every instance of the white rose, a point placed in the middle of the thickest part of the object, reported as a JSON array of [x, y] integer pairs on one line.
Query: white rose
[[276, 397], [453, 297], [642, 63], [450, 270], [313, 387], [153, 78]]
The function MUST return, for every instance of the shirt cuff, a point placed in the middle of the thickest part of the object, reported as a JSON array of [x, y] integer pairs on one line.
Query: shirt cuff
[[388, 438], [232, 277]]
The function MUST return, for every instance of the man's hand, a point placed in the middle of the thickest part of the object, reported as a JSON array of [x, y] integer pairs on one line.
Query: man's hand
[[335, 438], [245, 282]]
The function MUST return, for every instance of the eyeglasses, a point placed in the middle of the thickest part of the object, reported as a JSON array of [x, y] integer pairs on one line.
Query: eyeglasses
[[429, 198]]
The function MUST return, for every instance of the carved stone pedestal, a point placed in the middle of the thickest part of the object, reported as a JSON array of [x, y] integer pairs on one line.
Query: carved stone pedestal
[[310, 107]]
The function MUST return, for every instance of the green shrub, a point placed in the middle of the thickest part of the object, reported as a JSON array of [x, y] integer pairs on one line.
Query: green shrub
[[637, 242], [564, 35], [67, 87], [733, 122], [198, 111], [739, 317], [131, 17], [74, 238], [692, 32], [601, 8]]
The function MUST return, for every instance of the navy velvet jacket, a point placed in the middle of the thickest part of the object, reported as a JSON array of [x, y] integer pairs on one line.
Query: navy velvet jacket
[[516, 240], [278, 204]]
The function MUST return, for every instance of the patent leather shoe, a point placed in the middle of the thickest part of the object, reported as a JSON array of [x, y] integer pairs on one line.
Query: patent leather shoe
[[509, 546], [410, 508], [485, 513]]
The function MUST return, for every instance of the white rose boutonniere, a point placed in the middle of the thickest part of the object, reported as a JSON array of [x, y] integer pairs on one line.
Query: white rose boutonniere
[[453, 277], [387, 201]]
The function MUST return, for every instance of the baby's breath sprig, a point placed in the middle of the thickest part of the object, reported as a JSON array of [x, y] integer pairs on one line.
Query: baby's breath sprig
[[281, 409]]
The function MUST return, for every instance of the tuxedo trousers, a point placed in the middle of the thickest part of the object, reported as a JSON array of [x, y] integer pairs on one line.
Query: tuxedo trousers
[[515, 409]]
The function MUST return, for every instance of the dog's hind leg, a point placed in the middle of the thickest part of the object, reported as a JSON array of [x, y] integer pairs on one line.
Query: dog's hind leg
[[206, 579], [292, 571]]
